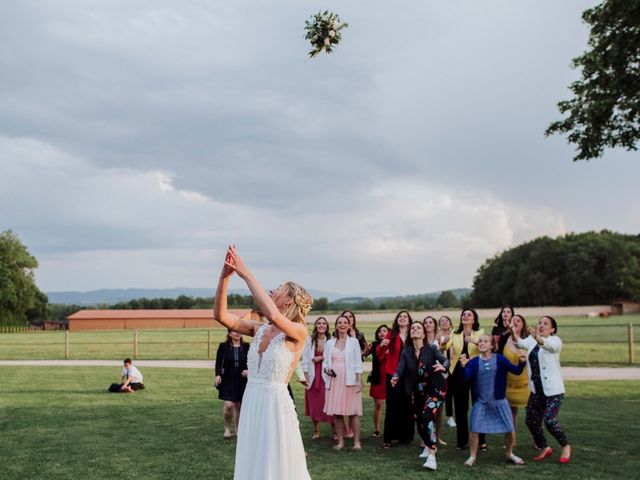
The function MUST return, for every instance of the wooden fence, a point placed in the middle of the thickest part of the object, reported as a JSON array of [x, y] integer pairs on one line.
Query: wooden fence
[[20, 329], [131, 345], [197, 340]]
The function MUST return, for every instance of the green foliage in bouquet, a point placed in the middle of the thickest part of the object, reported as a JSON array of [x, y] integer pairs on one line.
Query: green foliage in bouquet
[[323, 32]]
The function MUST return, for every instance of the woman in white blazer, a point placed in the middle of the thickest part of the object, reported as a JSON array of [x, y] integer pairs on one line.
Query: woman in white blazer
[[546, 385], [312, 358], [342, 372]]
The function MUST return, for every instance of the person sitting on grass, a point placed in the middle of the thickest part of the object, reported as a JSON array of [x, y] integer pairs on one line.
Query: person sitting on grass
[[490, 412], [131, 378]]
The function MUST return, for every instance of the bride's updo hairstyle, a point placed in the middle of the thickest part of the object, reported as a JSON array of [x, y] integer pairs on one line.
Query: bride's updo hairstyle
[[297, 311]]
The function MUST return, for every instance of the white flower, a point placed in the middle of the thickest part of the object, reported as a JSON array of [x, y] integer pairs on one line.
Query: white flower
[[332, 33]]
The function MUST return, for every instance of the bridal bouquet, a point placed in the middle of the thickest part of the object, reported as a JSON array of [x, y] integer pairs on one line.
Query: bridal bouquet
[[323, 32]]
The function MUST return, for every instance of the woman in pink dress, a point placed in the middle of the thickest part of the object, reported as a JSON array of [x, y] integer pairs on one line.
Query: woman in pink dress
[[312, 358], [342, 372]]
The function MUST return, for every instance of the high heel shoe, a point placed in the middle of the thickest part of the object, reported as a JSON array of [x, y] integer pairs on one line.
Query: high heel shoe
[[566, 459], [545, 453]]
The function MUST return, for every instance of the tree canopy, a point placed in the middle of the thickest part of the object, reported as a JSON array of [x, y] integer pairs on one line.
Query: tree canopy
[[575, 269], [20, 299], [605, 109], [447, 299]]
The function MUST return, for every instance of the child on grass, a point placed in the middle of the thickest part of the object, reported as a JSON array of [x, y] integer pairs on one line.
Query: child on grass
[[131, 379], [491, 412]]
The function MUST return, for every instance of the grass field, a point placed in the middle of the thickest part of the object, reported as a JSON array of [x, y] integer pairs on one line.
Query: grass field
[[587, 342], [59, 423]]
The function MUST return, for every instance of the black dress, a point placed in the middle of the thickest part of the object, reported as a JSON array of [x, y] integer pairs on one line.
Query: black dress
[[500, 331], [230, 362]]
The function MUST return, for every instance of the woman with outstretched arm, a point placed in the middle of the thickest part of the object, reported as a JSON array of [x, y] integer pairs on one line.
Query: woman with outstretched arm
[[269, 441], [547, 388], [422, 366]]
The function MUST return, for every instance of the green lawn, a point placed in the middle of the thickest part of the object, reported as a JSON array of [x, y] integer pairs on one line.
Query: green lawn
[[59, 423], [588, 342]]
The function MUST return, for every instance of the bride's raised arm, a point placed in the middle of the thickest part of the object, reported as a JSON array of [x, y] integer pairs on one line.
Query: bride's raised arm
[[220, 312], [296, 331]]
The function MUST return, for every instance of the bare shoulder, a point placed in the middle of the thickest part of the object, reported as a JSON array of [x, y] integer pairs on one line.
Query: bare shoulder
[[298, 332], [296, 337]]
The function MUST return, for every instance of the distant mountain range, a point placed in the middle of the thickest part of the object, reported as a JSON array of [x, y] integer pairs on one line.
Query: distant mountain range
[[110, 296]]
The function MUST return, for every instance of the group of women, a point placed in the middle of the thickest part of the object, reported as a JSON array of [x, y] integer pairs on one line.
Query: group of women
[[422, 368], [418, 370]]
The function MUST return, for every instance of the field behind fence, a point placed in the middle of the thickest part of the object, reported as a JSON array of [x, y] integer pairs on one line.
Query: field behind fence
[[587, 342]]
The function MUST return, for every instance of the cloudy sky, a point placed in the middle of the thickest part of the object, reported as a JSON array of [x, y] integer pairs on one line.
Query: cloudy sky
[[138, 139]]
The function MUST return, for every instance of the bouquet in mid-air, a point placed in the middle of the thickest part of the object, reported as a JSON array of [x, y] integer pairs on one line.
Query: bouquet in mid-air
[[323, 32]]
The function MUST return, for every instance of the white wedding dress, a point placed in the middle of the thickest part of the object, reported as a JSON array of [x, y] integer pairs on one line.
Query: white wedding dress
[[269, 441]]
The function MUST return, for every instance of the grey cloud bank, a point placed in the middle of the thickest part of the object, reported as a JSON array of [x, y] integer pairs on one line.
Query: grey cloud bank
[[138, 139]]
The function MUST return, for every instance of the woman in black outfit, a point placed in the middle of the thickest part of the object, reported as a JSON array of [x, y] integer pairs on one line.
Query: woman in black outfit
[[231, 378], [464, 340], [501, 332], [422, 366]]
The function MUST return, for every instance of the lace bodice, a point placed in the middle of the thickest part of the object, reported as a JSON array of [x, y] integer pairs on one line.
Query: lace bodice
[[275, 364]]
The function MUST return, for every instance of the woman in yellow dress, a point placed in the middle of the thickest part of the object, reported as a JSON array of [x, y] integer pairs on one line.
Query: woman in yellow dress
[[517, 385]]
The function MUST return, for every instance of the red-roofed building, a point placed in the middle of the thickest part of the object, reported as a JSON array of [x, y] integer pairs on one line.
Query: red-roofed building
[[141, 319]]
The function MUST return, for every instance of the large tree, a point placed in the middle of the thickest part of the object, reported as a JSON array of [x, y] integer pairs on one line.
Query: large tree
[[447, 299], [605, 109], [20, 299], [575, 269]]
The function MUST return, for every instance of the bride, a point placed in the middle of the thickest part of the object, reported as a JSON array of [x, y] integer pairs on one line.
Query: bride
[[269, 442]]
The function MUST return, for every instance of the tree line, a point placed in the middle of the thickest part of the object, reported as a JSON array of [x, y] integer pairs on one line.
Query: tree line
[[59, 312], [446, 299], [575, 269]]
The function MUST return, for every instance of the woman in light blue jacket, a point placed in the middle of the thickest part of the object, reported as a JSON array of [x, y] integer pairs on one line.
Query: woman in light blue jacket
[[546, 385]]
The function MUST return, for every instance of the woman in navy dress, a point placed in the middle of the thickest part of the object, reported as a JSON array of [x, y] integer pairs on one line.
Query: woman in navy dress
[[231, 378]]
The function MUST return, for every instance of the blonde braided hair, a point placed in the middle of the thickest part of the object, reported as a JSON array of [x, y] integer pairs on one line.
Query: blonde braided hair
[[302, 301]]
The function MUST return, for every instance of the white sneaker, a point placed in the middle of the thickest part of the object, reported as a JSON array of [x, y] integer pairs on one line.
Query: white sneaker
[[431, 463], [425, 453], [451, 422]]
